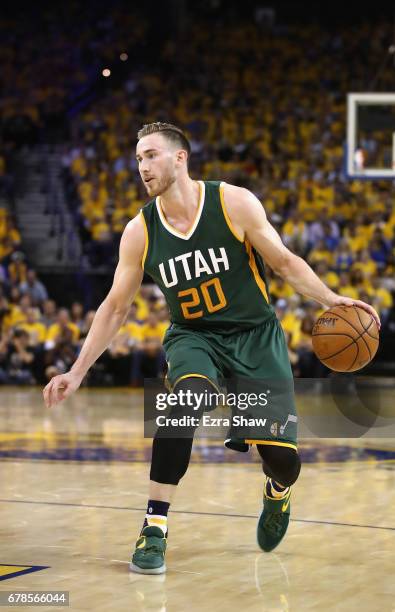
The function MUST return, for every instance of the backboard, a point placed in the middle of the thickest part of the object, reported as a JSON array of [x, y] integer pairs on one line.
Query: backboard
[[370, 150]]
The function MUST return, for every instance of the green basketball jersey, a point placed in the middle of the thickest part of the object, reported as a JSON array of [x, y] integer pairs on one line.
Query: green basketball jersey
[[210, 278]]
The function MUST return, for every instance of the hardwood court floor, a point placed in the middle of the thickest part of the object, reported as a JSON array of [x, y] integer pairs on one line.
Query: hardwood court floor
[[73, 495]]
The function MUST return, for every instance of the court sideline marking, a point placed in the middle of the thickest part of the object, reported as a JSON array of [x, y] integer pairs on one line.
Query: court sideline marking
[[252, 516]]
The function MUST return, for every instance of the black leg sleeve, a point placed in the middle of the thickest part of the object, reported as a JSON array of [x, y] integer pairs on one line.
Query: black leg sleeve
[[280, 463], [171, 454]]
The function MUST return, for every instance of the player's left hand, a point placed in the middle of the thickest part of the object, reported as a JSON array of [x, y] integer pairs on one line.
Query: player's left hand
[[345, 301]]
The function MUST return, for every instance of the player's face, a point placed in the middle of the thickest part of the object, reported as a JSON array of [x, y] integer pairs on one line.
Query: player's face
[[157, 163]]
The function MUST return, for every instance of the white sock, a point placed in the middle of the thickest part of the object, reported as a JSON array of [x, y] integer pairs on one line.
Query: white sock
[[157, 520]]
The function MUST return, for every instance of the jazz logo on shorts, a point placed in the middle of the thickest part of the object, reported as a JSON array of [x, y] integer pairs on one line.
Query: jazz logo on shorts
[[291, 418]]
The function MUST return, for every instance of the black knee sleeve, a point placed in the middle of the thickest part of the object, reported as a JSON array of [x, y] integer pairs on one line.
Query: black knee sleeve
[[280, 463], [171, 449], [170, 459]]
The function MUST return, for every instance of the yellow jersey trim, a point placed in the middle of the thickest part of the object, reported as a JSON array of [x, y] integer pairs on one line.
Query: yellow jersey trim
[[225, 213], [195, 375], [252, 263], [272, 443], [170, 228], [146, 240]]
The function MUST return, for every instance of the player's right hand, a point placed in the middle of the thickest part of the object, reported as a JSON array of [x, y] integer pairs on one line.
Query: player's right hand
[[60, 387]]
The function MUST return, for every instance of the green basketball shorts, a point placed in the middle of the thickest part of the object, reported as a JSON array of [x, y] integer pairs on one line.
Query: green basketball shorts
[[248, 363]]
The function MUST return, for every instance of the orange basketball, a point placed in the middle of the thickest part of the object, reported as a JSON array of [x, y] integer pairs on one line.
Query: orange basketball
[[345, 338]]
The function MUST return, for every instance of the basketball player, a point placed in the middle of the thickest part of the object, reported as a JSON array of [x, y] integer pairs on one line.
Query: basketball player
[[204, 243]]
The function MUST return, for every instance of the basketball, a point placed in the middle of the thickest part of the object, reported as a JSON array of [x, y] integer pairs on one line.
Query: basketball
[[345, 338]]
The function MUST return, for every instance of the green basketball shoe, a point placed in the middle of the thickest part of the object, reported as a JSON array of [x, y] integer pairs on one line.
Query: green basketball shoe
[[149, 556], [273, 522]]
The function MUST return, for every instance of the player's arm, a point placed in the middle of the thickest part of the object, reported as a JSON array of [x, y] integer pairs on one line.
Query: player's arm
[[109, 316], [249, 220]]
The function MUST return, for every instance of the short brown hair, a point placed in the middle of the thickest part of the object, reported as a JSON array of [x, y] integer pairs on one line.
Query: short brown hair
[[170, 131]]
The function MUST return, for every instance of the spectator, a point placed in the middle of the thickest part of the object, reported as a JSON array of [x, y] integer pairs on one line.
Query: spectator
[[330, 235], [359, 281], [343, 258], [36, 330], [320, 252], [328, 276], [60, 353], [294, 232], [119, 358], [322, 227], [383, 297], [17, 269], [308, 365], [59, 331], [280, 289], [37, 334], [141, 301], [292, 355], [345, 288], [6, 248], [17, 358], [25, 302], [163, 313], [355, 241], [33, 287], [17, 309], [49, 313], [379, 249], [12, 232], [149, 358], [364, 263], [4, 313], [290, 322], [153, 328], [61, 344], [77, 314], [133, 326], [86, 325]]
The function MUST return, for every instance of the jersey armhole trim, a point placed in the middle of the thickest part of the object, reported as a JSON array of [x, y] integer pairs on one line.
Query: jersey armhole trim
[[146, 240], [225, 213], [252, 263]]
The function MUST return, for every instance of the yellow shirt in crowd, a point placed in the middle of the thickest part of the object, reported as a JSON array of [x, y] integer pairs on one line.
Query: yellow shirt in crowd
[[369, 268], [142, 307], [157, 331], [15, 317], [54, 331], [37, 331], [132, 329], [284, 291], [348, 291], [384, 296]]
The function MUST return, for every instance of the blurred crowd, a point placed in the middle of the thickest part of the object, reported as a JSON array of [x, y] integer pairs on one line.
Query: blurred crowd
[[264, 107], [39, 339]]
